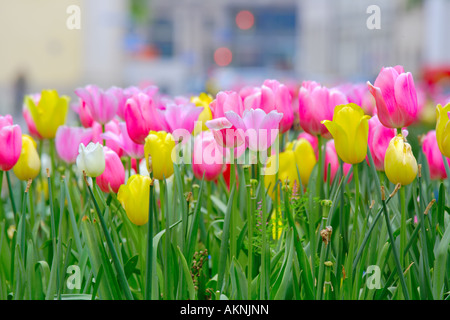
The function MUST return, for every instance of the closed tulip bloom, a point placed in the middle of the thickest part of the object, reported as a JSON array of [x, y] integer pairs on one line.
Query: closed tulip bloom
[[29, 119], [124, 142], [101, 104], [379, 138], [359, 94], [350, 130], [142, 116], [400, 165], [84, 113], [395, 96], [312, 140], [91, 159], [434, 157], [316, 104], [443, 129], [134, 198], [114, 175], [158, 154], [207, 158], [49, 113], [29, 164], [298, 154], [10, 142], [203, 100], [181, 116], [68, 139]]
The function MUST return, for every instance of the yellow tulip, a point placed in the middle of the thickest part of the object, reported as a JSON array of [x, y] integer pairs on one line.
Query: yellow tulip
[[443, 129], [299, 154], [158, 154], [350, 130], [29, 165], [277, 224], [134, 197], [400, 165], [203, 100], [49, 113]]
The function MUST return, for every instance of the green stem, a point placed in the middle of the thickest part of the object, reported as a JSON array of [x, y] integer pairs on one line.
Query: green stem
[[402, 227], [150, 245], [11, 196], [103, 131], [233, 211]]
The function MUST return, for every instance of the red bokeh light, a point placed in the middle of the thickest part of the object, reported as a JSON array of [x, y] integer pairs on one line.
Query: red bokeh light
[[223, 56], [245, 19]]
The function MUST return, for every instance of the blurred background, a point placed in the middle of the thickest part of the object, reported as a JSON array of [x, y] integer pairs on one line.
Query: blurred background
[[189, 46]]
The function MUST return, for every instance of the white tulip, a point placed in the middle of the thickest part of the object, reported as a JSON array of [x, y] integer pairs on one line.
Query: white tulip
[[91, 159]]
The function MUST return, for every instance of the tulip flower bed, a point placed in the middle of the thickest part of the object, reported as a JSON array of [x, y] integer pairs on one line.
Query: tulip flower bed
[[265, 193]]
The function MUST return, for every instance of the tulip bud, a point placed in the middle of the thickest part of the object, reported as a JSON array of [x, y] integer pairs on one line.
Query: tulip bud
[[114, 175], [29, 164], [11, 142], [134, 197], [91, 159], [158, 154], [443, 129], [400, 165]]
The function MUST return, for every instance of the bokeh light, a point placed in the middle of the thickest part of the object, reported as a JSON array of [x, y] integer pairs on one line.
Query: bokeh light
[[245, 19], [223, 56]]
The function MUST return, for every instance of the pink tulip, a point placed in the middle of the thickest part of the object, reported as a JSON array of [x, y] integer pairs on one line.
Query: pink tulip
[[122, 95], [434, 157], [29, 119], [68, 139], [312, 140], [114, 175], [226, 101], [207, 158], [332, 160], [378, 141], [180, 116], [113, 127], [271, 96], [123, 140], [316, 104], [10, 142], [142, 116], [395, 96], [359, 94], [84, 113], [102, 105]]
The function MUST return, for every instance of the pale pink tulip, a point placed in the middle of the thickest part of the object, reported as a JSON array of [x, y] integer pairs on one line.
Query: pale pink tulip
[[180, 116], [68, 139], [112, 127], [122, 139], [10, 142], [208, 158], [316, 104], [359, 94], [101, 104], [114, 175], [395, 96]]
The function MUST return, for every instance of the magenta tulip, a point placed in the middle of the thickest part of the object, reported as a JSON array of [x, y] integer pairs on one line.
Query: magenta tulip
[[395, 96], [316, 104], [114, 175], [102, 105], [122, 95], [122, 139], [434, 157], [10, 142], [84, 113], [68, 139], [207, 159], [332, 160], [29, 119], [142, 116], [226, 101], [378, 141]]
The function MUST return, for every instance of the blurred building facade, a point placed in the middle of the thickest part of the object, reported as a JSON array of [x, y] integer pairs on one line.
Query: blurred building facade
[[174, 43]]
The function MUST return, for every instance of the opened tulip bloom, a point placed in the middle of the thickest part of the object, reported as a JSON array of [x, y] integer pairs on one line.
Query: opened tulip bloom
[[400, 165], [110, 127], [395, 96], [203, 100], [142, 116], [123, 141], [298, 154], [68, 139], [49, 113], [316, 104], [443, 129], [29, 164], [11, 142], [101, 104], [114, 175], [158, 154], [207, 159], [434, 157], [134, 197], [181, 116], [350, 130], [91, 159]]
